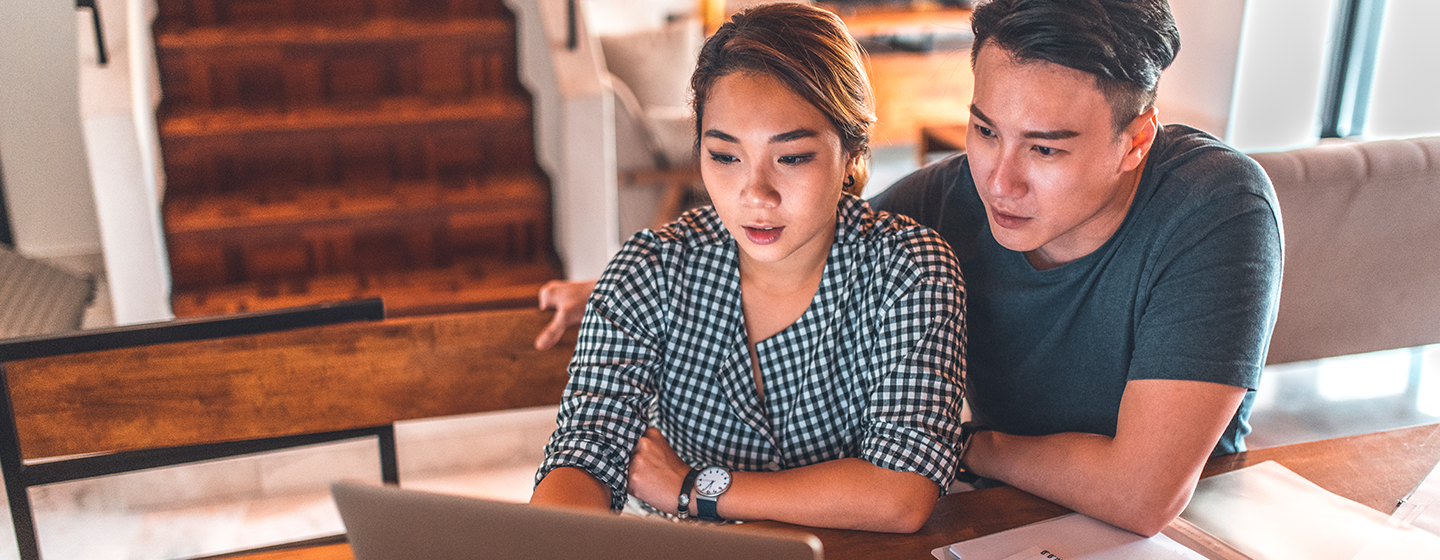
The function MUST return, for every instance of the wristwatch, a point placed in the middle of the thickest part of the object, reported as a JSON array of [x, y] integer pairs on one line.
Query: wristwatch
[[689, 483], [709, 485]]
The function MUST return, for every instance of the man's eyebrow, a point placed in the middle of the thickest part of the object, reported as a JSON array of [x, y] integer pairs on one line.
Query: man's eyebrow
[[1036, 134]]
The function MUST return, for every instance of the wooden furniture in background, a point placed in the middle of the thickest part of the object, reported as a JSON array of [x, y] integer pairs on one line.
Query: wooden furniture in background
[[940, 139], [914, 89], [132, 398], [332, 150]]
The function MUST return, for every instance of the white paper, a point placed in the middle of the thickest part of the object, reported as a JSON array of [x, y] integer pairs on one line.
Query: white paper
[[1270, 513], [1422, 507], [1068, 537]]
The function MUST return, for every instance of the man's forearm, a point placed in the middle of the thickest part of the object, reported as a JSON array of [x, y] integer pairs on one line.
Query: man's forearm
[[1139, 480], [1081, 472]]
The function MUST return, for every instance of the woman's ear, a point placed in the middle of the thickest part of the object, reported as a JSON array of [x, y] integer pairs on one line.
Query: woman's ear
[[857, 173]]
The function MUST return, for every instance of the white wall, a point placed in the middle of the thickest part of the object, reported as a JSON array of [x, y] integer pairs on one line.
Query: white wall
[[574, 134], [42, 149], [1199, 87], [1283, 61], [117, 105], [1407, 75]]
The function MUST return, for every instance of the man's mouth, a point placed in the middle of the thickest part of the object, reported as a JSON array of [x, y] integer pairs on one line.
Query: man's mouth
[[1008, 221]]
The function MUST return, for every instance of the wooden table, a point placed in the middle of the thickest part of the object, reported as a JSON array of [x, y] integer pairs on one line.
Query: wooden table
[[1373, 469]]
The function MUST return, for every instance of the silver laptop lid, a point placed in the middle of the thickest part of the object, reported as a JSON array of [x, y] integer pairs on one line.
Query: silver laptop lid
[[388, 523]]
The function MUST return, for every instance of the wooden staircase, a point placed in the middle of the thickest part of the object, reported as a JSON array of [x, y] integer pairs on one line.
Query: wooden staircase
[[325, 150]]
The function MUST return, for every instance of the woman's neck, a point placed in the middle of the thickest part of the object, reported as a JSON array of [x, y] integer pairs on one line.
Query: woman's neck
[[775, 295]]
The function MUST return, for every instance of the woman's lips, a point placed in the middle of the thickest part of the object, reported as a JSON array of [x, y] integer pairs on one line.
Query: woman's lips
[[763, 235]]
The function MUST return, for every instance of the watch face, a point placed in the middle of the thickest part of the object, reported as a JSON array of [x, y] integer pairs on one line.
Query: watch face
[[712, 481]]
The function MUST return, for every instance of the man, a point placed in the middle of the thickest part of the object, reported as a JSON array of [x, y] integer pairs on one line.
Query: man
[[1122, 277]]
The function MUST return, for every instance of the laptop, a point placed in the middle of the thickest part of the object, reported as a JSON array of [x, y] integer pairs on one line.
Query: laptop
[[389, 523]]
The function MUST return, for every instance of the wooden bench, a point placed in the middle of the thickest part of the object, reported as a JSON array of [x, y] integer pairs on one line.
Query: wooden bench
[[119, 400]]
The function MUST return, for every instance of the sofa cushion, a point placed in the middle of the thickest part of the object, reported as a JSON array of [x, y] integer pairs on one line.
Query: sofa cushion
[[1362, 247]]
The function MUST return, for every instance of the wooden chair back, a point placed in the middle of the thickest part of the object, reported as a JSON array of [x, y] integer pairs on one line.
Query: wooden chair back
[[179, 392]]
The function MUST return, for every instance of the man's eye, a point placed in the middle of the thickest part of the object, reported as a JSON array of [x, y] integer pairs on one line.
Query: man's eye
[[1044, 151], [984, 131]]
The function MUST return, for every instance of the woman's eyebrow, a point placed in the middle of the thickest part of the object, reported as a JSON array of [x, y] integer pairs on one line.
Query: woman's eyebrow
[[793, 135], [776, 139], [721, 136]]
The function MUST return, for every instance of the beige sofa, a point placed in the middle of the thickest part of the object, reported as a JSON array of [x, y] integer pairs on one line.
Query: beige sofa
[[1362, 247]]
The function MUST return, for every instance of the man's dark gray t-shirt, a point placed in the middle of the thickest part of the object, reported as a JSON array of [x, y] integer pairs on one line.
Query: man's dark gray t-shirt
[[1186, 289]]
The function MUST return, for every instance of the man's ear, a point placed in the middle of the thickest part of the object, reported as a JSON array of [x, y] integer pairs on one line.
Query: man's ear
[[1139, 135]]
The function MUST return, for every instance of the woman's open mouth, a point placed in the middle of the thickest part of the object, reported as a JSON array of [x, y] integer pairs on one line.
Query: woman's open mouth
[[763, 235]]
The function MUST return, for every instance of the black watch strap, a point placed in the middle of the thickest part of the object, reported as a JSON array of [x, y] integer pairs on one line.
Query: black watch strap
[[685, 487], [707, 509]]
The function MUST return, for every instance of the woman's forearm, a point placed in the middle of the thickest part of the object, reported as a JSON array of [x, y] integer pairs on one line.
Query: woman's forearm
[[843, 494], [571, 487]]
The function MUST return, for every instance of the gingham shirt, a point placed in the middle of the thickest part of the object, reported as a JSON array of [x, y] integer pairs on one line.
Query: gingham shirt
[[873, 369]]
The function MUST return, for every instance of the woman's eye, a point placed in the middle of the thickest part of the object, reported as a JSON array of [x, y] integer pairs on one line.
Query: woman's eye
[[795, 160], [723, 158]]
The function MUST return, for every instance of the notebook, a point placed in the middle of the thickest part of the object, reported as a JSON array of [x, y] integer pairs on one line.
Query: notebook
[[388, 523]]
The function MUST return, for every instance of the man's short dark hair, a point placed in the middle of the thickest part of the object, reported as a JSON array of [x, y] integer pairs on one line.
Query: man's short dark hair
[[1125, 44]]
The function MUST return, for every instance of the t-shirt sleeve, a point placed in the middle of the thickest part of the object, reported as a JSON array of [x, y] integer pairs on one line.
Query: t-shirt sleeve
[[613, 372], [1212, 305], [913, 414]]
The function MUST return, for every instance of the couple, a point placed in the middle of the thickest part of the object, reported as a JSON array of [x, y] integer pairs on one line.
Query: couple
[[791, 354]]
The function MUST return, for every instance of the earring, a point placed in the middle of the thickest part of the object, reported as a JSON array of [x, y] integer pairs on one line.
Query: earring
[[849, 181]]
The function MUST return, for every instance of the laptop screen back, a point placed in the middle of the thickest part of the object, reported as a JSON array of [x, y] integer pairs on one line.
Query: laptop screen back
[[387, 523]]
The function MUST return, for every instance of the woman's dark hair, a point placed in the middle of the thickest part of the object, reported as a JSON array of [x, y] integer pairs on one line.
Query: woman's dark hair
[[1125, 44], [807, 49]]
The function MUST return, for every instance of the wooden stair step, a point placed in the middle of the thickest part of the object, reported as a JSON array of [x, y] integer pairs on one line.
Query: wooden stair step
[[310, 35], [495, 112], [501, 199], [184, 14], [288, 67], [478, 284]]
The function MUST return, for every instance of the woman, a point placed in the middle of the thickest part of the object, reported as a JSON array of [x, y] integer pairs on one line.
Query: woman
[[787, 354]]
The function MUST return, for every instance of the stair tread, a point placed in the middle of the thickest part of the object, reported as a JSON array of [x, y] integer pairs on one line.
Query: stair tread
[[385, 112], [366, 31], [318, 205], [478, 284]]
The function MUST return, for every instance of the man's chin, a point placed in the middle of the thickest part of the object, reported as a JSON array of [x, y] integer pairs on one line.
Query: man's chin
[[1013, 240]]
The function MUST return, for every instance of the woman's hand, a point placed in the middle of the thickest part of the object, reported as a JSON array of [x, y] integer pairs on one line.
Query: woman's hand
[[568, 300], [656, 472]]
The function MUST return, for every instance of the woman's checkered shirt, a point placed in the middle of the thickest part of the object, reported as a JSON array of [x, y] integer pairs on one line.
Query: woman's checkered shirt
[[873, 369]]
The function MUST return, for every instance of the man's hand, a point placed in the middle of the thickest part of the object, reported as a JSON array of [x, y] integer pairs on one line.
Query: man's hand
[[656, 472], [568, 300]]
